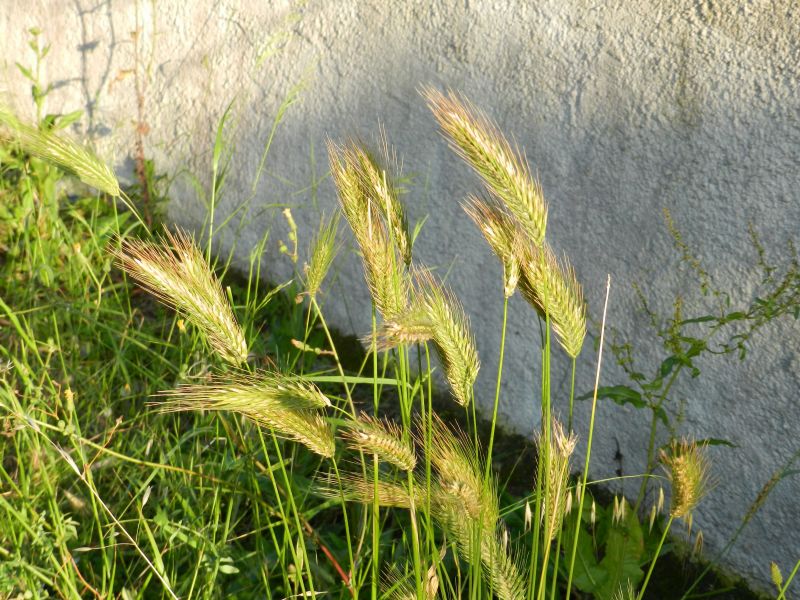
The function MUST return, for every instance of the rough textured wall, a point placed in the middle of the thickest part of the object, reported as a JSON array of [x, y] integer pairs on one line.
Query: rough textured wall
[[623, 109]]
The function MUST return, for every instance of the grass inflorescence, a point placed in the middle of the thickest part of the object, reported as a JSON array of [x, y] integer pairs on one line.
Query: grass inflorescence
[[281, 473]]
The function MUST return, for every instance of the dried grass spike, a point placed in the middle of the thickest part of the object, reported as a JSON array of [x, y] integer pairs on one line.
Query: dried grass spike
[[556, 479], [357, 489], [176, 273], [283, 404], [500, 231], [323, 251]]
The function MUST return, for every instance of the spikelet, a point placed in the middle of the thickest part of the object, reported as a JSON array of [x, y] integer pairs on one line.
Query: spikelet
[[65, 153], [387, 282], [465, 504], [454, 341], [397, 587], [504, 171], [323, 251], [381, 438], [556, 477], [688, 472], [357, 489], [500, 231], [552, 288], [412, 327], [629, 593], [176, 273], [378, 181], [287, 405]]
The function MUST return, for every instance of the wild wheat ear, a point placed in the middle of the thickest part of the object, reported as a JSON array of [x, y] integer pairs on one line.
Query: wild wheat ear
[[504, 170], [175, 271], [381, 438], [688, 470]]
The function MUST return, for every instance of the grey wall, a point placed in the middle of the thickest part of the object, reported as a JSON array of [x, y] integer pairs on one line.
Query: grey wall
[[623, 108]]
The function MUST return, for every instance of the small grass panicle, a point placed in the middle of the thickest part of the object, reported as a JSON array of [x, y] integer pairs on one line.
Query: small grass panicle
[[284, 404], [57, 149], [381, 438], [552, 288], [504, 170], [465, 502], [688, 471], [176, 273], [454, 341]]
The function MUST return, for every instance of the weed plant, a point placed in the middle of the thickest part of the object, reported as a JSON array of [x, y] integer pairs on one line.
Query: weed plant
[[157, 449]]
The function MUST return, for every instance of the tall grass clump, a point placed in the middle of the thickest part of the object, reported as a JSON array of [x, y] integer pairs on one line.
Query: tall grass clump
[[182, 448]]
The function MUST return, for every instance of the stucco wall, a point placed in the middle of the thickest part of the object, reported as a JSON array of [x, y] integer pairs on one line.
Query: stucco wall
[[623, 108]]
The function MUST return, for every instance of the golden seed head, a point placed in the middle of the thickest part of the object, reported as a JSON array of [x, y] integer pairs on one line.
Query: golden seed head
[[383, 439], [551, 287], [451, 334], [65, 153], [285, 404], [503, 169], [688, 471], [177, 274]]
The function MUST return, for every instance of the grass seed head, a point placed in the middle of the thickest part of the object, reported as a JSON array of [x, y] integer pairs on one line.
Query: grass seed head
[[503, 169], [556, 477], [688, 471], [61, 151], [381, 438], [323, 251], [287, 405], [500, 231], [386, 278], [551, 287], [176, 273], [454, 341]]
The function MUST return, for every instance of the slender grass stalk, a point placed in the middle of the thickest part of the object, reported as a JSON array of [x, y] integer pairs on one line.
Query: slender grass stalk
[[788, 582], [574, 549], [655, 558], [497, 386]]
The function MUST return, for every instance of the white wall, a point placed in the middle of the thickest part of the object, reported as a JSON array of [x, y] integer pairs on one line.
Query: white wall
[[623, 109]]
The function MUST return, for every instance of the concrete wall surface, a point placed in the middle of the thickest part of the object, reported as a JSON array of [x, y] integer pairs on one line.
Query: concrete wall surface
[[623, 109]]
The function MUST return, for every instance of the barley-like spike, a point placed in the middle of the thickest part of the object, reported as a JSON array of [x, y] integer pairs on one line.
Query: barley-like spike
[[504, 170], [387, 282], [285, 404], [382, 438], [358, 489], [501, 233], [323, 251], [552, 288], [378, 179], [176, 273], [556, 480], [454, 341], [51, 147], [412, 327], [688, 471]]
